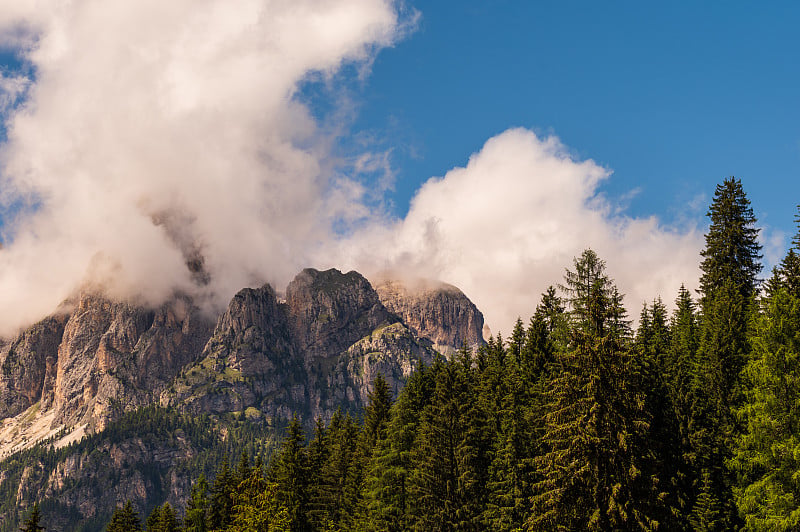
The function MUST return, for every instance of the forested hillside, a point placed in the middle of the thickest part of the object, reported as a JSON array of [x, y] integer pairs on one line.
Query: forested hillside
[[573, 422]]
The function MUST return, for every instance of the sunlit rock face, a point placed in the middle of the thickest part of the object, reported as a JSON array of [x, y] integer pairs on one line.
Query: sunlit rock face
[[435, 311], [312, 352]]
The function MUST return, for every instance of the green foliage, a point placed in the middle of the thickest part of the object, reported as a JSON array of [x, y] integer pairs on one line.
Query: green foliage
[[124, 519], [32, 524], [732, 253], [591, 476], [767, 458], [163, 519]]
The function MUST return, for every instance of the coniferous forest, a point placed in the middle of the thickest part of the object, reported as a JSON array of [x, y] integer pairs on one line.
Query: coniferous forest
[[587, 417]]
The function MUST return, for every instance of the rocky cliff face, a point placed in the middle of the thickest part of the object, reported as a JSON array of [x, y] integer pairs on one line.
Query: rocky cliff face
[[329, 311], [318, 351], [436, 311], [24, 363], [115, 356], [101, 358]]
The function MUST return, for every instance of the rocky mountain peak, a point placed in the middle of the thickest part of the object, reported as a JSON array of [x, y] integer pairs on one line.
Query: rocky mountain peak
[[330, 310], [437, 311]]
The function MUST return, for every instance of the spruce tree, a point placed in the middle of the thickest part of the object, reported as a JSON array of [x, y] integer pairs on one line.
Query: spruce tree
[[767, 457], [163, 519], [32, 524], [665, 462], [221, 504], [387, 487], [124, 519], [679, 370], [197, 507], [591, 476], [289, 470], [732, 252], [728, 286]]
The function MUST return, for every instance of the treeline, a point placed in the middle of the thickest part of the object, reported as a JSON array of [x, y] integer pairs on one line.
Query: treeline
[[574, 422]]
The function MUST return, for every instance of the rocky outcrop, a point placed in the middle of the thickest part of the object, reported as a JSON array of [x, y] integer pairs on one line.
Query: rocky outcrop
[[436, 311], [24, 364], [114, 356], [249, 361], [329, 311], [266, 359], [318, 351]]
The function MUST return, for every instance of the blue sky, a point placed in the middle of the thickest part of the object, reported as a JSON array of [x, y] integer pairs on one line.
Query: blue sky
[[673, 97]]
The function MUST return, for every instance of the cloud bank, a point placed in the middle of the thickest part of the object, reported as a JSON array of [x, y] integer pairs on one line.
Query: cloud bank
[[155, 134], [506, 226]]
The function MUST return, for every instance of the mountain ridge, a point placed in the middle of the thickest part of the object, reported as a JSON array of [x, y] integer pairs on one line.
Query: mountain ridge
[[264, 360]]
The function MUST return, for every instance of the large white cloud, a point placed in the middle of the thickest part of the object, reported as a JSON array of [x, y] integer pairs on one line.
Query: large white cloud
[[155, 132], [505, 227], [156, 129]]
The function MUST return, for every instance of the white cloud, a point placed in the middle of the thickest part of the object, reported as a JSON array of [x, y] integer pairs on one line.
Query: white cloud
[[178, 112], [156, 130], [506, 226]]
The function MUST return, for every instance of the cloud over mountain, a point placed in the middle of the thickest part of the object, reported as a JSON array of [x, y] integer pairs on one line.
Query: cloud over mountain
[[506, 226], [153, 135], [155, 132]]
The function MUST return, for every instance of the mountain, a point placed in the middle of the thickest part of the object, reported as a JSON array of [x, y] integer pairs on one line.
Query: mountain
[[436, 311], [106, 400]]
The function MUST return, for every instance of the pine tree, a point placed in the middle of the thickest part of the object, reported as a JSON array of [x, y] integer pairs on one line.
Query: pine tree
[[679, 370], [124, 519], [591, 475], [376, 413], [387, 497], [732, 252], [653, 343], [289, 471], [545, 335], [197, 507], [219, 511], [318, 455], [31, 524], [767, 457], [517, 341], [450, 465], [730, 266], [163, 519], [510, 475]]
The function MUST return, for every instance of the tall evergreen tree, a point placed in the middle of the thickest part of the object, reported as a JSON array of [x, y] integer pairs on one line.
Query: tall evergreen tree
[[767, 458], [124, 519], [32, 524], [376, 413], [591, 475], [665, 463], [289, 470], [729, 282], [545, 335], [197, 507], [679, 370], [732, 252], [221, 504], [387, 497]]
